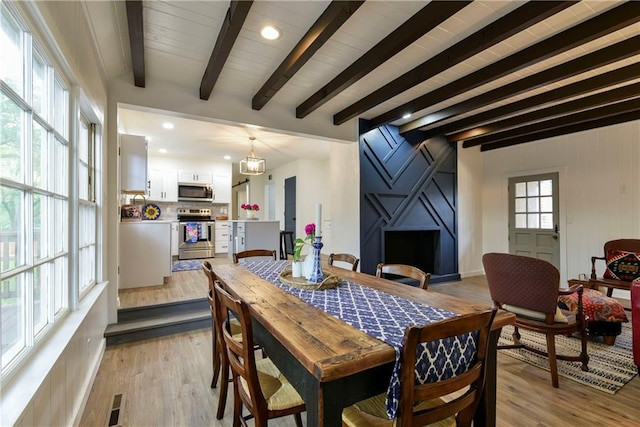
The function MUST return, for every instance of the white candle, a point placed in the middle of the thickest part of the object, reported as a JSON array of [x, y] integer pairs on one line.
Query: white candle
[[319, 219]]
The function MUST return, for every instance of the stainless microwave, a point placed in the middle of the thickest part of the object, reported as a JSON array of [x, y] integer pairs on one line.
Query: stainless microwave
[[194, 192]]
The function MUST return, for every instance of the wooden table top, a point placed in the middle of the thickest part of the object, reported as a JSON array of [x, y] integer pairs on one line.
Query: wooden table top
[[326, 346]]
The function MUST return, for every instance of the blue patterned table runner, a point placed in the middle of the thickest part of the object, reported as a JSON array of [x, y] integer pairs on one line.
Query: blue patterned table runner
[[384, 317]]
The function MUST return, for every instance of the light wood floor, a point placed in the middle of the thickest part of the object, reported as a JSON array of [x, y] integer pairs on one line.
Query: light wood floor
[[165, 382]]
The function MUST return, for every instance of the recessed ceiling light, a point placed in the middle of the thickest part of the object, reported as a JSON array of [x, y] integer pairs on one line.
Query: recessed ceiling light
[[227, 157], [270, 32], [163, 150], [168, 125], [406, 116]]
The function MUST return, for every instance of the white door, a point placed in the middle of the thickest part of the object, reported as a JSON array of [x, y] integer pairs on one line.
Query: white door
[[533, 217]]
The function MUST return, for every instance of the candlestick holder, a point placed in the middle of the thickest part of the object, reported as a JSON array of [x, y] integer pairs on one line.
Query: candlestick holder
[[316, 274]]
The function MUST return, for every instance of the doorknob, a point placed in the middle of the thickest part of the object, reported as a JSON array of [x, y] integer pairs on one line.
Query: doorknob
[[555, 230]]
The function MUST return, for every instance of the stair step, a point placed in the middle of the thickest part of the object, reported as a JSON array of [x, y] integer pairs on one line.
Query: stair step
[[152, 327], [157, 310]]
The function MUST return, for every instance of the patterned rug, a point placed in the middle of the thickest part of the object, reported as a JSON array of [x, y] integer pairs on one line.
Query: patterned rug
[[186, 265], [610, 367]]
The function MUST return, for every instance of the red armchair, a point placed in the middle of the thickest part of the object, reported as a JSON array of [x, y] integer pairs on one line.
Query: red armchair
[[635, 322]]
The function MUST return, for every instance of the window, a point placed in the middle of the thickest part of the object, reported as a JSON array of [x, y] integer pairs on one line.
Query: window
[[534, 204], [36, 255]]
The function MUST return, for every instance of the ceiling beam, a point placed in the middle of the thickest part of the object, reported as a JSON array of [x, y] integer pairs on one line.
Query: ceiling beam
[[604, 116], [231, 26], [580, 104], [429, 17], [512, 23], [603, 24], [136, 40], [591, 61], [463, 126], [325, 26]]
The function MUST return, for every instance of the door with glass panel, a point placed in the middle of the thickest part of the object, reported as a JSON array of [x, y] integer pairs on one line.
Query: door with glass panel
[[533, 217]]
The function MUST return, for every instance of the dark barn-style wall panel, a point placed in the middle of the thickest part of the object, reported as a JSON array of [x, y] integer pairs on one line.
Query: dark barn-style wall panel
[[408, 189]]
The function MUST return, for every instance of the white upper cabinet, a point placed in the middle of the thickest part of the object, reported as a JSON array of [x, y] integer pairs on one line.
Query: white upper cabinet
[[163, 185], [221, 187], [133, 164], [199, 177]]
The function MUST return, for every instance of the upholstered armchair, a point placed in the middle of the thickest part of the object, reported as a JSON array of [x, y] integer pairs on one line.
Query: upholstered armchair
[[635, 322]]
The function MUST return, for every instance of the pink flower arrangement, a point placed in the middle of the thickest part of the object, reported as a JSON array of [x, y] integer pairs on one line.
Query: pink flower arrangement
[[310, 231], [250, 207]]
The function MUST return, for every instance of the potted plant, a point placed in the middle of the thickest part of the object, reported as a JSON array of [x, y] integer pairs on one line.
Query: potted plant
[[250, 209], [299, 268]]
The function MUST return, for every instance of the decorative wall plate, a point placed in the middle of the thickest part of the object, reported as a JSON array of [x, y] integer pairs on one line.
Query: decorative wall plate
[[151, 211]]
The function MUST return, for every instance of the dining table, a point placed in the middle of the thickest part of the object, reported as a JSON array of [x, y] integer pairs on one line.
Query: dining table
[[331, 363]]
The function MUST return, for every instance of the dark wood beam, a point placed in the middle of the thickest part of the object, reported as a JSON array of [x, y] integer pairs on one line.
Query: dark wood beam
[[136, 40], [582, 87], [325, 26], [603, 24], [599, 99], [571, 123], [233, 21], [415, 27], [599, 58], [512, 23]]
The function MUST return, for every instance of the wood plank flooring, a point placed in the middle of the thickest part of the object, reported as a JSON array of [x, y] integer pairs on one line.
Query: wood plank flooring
[[165, 382]]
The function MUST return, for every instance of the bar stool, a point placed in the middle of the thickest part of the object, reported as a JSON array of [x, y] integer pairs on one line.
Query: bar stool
[[286, 247]]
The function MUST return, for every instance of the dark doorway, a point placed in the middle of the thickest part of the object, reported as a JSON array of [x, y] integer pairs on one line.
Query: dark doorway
[[290, 208]]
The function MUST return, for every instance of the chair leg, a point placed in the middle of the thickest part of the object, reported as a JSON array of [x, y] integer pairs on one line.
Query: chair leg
[[553, 362], [216, 361], [584, 356], [298, 419], [516, 335], [224, 387]]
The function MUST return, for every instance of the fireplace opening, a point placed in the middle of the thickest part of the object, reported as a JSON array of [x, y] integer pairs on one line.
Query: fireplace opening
[[413, 247]]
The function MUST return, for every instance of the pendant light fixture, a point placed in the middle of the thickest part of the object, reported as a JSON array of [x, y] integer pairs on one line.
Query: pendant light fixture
[[252, 165]]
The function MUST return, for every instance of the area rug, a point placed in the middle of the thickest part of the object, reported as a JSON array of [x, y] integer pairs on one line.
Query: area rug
[[610, 367], [186, 265]]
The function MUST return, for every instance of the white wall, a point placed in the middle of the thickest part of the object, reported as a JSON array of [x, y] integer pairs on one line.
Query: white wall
[[469, 211], [52, 387], [599, 191]]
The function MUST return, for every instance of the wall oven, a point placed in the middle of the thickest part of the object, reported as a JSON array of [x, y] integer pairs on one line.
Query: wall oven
[[194, 192], [196, 234]]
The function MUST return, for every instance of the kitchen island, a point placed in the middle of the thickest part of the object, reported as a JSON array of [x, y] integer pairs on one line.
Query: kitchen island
[[253, 234]]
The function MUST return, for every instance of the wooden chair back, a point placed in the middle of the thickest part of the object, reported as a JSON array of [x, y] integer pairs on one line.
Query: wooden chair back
[[348, 258], [208, 272], [404, 271], [254, 253], [464, 405]]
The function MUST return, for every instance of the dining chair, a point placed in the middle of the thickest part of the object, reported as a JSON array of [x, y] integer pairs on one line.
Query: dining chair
[[220, 361], [348, 258], [258, 385], [447, 401], [529, 288], [404, 271], [254, 253]]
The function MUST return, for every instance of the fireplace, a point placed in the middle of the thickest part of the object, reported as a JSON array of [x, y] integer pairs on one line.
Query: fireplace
[[419, 248]]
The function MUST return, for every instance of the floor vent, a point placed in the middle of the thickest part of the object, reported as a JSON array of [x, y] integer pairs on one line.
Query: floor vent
[[114, 419]]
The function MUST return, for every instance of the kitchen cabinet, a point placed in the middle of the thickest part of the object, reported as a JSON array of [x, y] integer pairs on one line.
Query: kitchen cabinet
[[145, 253], [175, 238], [163, 185], [199, 177], [221, 188], [222, 237], [133, 164], [255, 234]]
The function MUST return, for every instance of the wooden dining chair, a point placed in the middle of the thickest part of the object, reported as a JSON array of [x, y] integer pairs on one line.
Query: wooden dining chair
[[348, 258], [529, 288], [448, 402], [254, 253], [405, 271], [258, 385], [220, 360]]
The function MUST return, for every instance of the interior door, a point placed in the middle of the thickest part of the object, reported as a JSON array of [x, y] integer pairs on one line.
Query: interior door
[[533, 217], [290, 208]]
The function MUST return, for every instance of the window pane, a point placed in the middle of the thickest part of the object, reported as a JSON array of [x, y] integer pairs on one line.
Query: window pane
[[61, 225], [60, 284], [61, 179], [40, 226], [39, 160], [521, 205], [532, 204], [532, 188], [546, 221], [521, 221], [13, 315], [11, 54], [533, 221], [60, 112], [546, 204], [39, 85], [11, 140], [11, 228], [546, 187], [40, 300], [521, 189]]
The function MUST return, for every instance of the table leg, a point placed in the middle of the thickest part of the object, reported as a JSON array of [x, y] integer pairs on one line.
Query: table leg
[[486, 412]]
